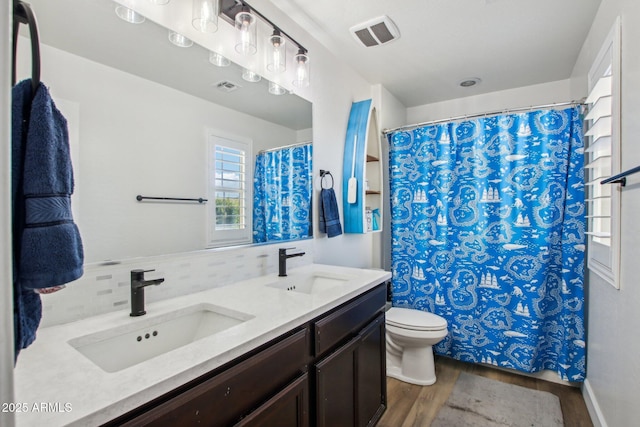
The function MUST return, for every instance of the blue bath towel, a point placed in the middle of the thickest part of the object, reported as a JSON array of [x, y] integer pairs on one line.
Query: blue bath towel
[[47, 248], [329, 214]]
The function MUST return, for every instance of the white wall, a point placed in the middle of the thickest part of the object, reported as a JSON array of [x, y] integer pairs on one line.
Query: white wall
[[139, 137], [612, 389], [540, 94], [6, 298], [304, 135]]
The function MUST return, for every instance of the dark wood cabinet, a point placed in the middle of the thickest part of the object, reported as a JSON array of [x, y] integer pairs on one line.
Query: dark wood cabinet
[[351, 381], [274, 386], [371, 373], [335, 387]]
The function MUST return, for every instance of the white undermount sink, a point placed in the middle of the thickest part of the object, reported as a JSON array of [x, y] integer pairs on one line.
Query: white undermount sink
[[310, 283], [124, 346]]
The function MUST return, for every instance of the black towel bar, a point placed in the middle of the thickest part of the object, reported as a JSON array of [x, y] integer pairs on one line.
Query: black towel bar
[[621, 178], [176, 199], [22, 14]]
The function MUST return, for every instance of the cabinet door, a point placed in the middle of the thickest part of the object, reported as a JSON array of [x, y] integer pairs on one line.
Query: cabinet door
[[289, 408], [371, 379], [351, 383], [335, 387]]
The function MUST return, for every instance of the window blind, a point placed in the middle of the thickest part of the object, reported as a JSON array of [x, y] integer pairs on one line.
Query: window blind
[[598, 125]]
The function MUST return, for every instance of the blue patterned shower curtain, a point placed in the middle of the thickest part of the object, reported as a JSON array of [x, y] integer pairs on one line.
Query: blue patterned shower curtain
[[282, 189], [488, 231]]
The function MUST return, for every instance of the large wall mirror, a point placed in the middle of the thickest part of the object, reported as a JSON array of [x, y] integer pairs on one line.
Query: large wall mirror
[[144, 117]]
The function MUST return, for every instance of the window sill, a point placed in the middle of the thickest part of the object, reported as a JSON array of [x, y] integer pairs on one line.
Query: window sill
[[603, 272]]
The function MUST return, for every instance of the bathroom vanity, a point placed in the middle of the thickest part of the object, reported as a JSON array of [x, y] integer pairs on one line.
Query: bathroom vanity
[[331, 369], [309, 356]]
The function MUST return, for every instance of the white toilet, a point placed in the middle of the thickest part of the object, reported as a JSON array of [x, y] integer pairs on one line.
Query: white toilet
[[410, 335]]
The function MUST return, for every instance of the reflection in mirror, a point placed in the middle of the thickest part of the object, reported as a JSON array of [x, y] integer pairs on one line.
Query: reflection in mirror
[[140, 112], [283, 185]]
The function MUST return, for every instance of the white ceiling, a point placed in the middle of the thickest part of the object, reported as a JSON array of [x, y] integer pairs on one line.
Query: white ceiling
[[506, 43]]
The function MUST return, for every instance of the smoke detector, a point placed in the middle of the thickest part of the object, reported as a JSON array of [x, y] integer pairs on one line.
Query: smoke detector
[[376, 32], [469, 81]]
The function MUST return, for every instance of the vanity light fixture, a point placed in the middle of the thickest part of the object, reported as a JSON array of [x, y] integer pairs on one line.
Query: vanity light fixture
[[250, 76], [204, 15], [179, 40], [302, 69], [218, 60], [245, 19], [129, 15], [276, 89], [277, 56], [246, 32]]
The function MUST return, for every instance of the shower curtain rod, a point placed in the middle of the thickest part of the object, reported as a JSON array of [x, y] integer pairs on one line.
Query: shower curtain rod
[[486, 114], [297, 144]]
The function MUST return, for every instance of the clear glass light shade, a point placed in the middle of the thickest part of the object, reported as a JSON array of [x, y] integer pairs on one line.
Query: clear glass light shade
[[250, 76], [277, 54], [204, 15], [276, 89], [129, 15], [159, 2], [179, 40], [302, 70], [246, 33], [218, 60]]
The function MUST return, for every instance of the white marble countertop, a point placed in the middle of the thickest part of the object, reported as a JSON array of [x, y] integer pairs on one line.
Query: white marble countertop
[[75, 391]]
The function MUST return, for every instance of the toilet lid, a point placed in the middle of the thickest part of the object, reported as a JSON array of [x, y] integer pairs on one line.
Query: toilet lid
[[416, 320]]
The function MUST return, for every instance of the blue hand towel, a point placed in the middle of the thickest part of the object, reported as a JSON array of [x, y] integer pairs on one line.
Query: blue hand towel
[[329, 214], [27, 307], [47, 247]]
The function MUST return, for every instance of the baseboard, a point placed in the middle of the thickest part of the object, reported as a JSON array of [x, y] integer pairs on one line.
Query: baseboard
[[597, 418], [545, 375]]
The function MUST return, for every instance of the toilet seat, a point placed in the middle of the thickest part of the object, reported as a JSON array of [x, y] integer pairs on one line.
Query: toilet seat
[[415, 320]]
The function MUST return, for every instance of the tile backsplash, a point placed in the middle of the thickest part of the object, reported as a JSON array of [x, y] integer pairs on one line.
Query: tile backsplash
[[106, 288]]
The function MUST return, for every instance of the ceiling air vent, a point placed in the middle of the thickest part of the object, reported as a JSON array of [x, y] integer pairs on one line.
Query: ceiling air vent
[[226, 86], [376, 32]]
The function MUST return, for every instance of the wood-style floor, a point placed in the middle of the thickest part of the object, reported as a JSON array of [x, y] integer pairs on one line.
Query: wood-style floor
[[412, 405]]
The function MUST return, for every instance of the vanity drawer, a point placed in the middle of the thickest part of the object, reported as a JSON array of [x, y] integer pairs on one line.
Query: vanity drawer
[[346, 321], [223, 399]]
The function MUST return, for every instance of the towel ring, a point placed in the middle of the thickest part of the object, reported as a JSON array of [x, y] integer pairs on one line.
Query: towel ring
[[324, 173]]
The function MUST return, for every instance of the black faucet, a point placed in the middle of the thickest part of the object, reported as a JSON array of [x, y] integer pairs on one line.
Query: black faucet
[[137, 291], [282, 260]]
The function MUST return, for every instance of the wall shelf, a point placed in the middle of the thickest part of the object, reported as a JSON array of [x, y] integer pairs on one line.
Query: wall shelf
[[362, 161]]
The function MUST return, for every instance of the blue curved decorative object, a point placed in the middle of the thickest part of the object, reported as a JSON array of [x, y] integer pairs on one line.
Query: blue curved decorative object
[[355, 144]]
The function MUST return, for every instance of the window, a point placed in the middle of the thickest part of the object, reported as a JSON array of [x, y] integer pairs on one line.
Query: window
[[602, 125], [229, 191]]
